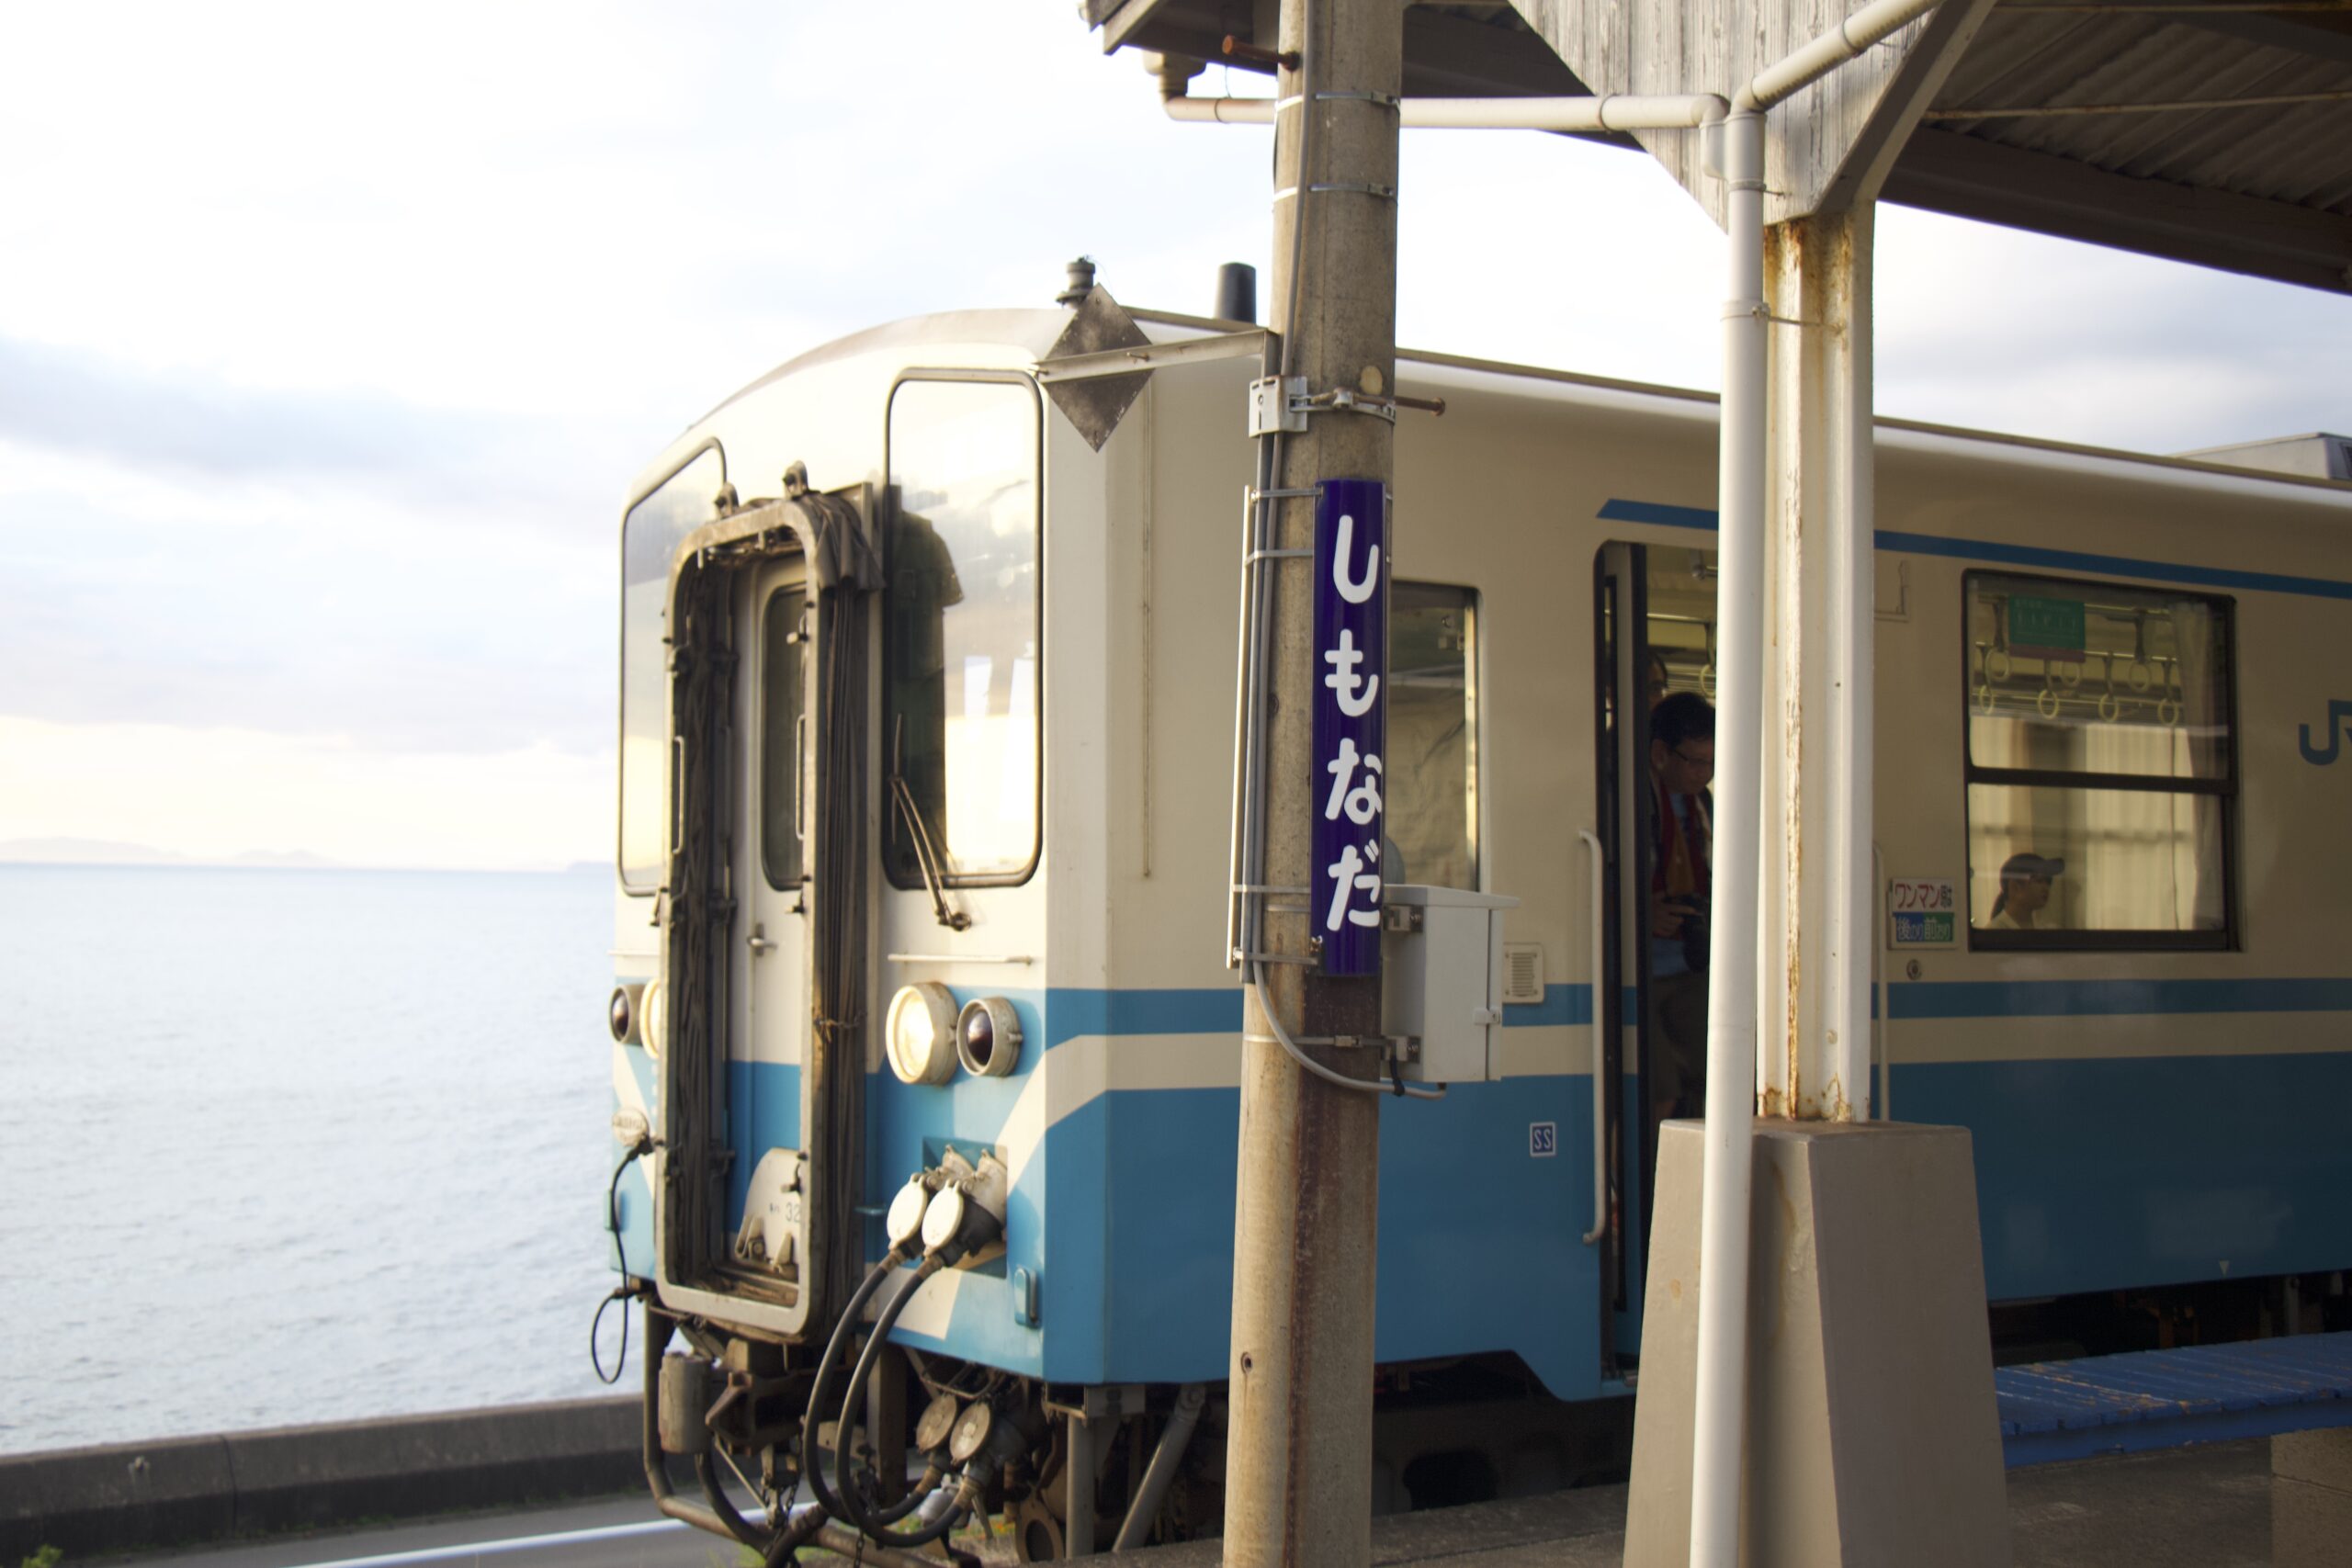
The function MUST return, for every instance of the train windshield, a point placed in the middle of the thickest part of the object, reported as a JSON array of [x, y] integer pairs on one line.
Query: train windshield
[[961, 727]]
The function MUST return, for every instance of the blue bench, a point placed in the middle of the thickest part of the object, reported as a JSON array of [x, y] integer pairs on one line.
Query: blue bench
[[2164, 1399]]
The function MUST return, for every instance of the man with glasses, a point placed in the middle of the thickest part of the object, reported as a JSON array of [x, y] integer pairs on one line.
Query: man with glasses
[[1682, 764]]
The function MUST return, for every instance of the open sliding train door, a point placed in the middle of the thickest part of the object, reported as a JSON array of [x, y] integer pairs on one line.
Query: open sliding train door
[[1654, 638], [1620, 740], [765, 912]]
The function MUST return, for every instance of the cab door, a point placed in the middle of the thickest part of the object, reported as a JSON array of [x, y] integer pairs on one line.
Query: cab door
[[769, 979]]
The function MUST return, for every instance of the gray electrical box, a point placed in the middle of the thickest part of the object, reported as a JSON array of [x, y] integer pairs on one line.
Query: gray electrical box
[[1442, 979]]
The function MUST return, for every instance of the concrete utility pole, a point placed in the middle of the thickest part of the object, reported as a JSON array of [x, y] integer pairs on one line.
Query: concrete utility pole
[[1298, 1471]]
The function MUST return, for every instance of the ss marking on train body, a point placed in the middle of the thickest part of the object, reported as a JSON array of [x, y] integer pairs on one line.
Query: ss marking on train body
[[925, 1042]]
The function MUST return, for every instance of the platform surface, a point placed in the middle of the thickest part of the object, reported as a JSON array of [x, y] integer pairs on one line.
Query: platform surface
[[2162, 1399], [2213, 1506]]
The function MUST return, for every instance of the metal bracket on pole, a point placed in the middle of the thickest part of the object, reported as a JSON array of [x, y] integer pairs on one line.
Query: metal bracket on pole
[[1278, 406], [1281, 405]]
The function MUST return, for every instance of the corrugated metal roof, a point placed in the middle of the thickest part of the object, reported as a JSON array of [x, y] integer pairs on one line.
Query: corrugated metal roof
[[2294, 154], [2259, 187]]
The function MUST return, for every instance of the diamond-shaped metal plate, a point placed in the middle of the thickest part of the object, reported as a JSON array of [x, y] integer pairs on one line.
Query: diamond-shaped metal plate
[[1095, 404]]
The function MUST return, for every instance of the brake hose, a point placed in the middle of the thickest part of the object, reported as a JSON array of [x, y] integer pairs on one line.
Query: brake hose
[[847, 1324], [874, 1528]]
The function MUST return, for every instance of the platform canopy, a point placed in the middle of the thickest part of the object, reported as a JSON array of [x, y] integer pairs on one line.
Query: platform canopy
[[2211, 131]]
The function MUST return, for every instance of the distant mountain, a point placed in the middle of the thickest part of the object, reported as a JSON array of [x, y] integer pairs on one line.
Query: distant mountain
[[297, 860], [110, 852], [85, 852]]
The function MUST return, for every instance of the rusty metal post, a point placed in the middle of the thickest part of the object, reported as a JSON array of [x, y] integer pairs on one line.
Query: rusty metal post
[[1817, 915], [1298, 1486]]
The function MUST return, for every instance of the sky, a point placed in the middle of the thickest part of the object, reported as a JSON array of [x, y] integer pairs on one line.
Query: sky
[[332, 336]]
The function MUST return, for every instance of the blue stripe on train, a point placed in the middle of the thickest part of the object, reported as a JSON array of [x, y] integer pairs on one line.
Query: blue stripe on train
[[1071, 1013], [1661, 515], [2074, 999]]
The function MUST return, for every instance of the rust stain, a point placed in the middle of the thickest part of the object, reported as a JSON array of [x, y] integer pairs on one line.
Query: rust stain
[[1836, 1106]]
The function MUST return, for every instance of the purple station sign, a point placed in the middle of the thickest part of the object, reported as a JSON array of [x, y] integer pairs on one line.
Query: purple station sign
[[1351, 720]]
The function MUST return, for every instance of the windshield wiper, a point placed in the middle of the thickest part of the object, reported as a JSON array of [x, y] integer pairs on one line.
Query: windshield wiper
[[919, 834]]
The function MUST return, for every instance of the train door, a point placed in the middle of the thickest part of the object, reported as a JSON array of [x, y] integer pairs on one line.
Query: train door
[[1653, 642], [768, 969]]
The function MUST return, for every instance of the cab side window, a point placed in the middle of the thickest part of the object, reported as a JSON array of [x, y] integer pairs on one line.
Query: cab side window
[[1432, 760]]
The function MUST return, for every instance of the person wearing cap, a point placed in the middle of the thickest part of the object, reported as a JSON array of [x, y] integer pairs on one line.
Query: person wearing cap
[[2025, 889]]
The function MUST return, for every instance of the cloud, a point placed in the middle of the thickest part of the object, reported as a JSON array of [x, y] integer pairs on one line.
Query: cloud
[[299, 610], [2021, 332], [201, 428]]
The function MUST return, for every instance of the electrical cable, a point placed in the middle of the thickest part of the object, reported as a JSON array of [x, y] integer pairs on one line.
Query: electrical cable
[[1394, 1085], [626, 1289]]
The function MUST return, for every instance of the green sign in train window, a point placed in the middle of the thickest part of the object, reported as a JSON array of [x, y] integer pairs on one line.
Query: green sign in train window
[[2051, 629]]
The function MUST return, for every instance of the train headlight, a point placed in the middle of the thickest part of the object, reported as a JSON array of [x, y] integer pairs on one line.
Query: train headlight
[[921, 1032], [988, 1037], [653, 1016], [620, 1013]]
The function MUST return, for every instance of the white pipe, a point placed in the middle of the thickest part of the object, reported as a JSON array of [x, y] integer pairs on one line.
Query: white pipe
[[1620, 111], [1874, 24], [1721, 1415], [1220, 111], [1601, 1088], [1608, 112]]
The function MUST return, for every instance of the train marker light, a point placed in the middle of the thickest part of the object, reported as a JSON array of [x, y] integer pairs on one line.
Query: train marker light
[[988, 1037]]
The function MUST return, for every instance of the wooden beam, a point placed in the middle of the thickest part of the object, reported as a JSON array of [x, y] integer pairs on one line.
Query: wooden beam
[[1451, 57], [1969, 177], [1880, 142]]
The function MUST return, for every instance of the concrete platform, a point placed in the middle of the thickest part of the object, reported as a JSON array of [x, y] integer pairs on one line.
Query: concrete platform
[[2217, 1506], [2201, 1507]]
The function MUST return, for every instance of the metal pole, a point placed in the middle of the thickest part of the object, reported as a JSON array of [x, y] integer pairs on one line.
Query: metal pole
[[1819, 577], [1298, 1486], [1853, 593], [1719, 1421]]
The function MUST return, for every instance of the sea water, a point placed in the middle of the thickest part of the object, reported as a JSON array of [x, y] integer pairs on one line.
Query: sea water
[[285, 1146]]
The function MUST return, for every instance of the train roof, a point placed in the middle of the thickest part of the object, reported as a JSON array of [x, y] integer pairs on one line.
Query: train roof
[[1033, 332]]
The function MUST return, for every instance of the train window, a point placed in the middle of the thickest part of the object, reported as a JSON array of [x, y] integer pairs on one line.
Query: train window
[[1433, 734], [2101, 760], [784, 737], [960, 731], [650, 536]]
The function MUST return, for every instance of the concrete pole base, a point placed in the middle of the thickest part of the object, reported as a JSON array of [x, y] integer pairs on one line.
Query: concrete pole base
[[1873, 1436]]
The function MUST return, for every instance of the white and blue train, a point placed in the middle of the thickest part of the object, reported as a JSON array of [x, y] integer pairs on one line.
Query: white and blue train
[[924, 1018]]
